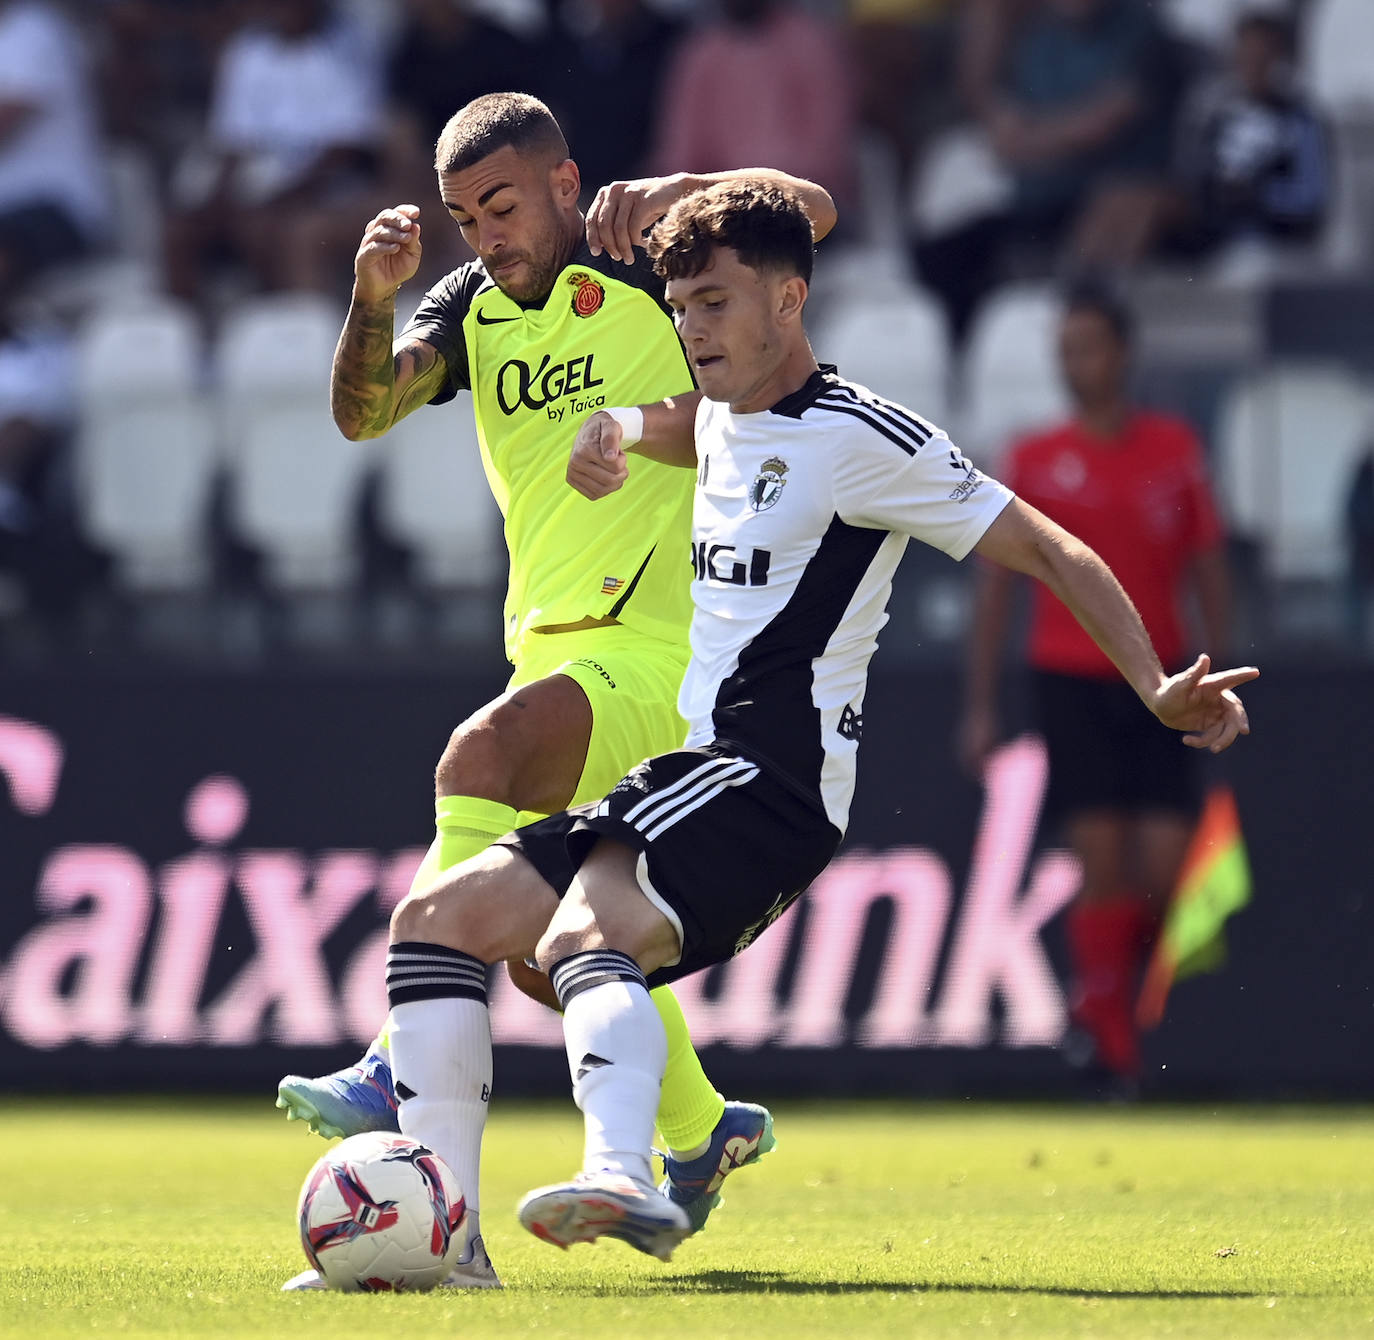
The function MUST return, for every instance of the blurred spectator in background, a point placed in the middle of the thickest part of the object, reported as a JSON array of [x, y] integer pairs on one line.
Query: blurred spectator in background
[[445, 54], [45, 567], [1076, 97], [768, 84], [156, 67], [606, 63], [985, 33], [53, 198], [1254, 153], [294, 123], [895, 44], [1253, 171], [1131, 484], [1087, 101]]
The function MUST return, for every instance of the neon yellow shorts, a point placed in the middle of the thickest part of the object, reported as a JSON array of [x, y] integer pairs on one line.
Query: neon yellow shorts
[[631, 681]]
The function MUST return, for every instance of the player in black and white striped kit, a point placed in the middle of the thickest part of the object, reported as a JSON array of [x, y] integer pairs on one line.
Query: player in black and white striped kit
[[802, 514], [808, 487]]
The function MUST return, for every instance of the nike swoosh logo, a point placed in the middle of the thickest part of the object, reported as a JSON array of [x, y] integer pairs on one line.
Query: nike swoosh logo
[[494, 320]]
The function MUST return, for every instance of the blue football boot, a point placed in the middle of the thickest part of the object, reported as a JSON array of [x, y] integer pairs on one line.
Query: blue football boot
[[743, 1135], [358, 1098]]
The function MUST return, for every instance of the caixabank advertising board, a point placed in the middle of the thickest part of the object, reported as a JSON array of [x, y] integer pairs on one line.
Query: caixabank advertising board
[[198, 870]]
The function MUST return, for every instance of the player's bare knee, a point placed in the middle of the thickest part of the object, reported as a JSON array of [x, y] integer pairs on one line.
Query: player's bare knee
[[473, 763], [442, 913], [560, 942], [415, 918], [651, 945]]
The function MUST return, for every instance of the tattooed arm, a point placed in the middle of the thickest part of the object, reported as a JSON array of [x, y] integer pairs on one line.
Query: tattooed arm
[[373, 384]]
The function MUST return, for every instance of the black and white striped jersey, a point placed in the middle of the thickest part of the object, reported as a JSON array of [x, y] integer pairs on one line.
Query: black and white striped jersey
[[802, 513]]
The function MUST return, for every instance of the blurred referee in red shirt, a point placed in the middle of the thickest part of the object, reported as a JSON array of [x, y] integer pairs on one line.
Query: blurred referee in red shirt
[[1131, 483]]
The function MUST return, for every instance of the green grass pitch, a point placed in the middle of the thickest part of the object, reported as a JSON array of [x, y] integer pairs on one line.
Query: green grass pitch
[[175, 1218]]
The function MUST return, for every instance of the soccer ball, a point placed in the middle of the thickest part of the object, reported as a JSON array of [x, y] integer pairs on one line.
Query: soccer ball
[[382, 1213]]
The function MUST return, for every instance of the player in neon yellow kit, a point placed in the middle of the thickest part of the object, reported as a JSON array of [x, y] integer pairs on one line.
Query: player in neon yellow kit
[[557, 318]]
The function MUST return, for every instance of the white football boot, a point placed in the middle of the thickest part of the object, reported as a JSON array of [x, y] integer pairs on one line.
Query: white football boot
[[611, 1205], [473, 1271]]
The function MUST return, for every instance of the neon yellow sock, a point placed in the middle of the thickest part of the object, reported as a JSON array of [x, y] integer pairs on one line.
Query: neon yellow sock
[[689, 1106], [464, 826]]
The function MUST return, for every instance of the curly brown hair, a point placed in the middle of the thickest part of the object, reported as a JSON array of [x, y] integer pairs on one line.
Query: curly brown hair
[[763, 223]]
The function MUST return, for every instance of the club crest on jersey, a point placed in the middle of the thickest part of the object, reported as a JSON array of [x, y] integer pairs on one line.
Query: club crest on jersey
[[768, 484], [588, 295]]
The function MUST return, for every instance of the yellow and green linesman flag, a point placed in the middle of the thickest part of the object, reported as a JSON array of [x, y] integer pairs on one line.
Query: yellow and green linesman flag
[[1214, 883]]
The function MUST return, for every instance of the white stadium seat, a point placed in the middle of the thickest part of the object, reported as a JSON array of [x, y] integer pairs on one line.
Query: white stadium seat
[[897, 346], [435, 499], [959, 180], [1337, 50], [1286, 444], [1011, 383], [145, 443], [130, 270], [137, 206], [295, 478], [1210, 23], [1338, 46]]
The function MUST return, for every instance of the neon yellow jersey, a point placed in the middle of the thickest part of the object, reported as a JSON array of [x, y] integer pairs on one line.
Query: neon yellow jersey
[[601, 338]]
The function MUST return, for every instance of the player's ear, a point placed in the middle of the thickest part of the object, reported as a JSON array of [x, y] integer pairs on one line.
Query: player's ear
[[791, 298], [565, 181]]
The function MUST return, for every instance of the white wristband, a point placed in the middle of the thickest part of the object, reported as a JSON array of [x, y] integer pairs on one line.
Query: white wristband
[[631, 423]]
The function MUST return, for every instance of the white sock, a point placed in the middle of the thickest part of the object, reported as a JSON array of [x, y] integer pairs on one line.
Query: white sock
[[617, 1050], [441, 1061], [441, 1052]]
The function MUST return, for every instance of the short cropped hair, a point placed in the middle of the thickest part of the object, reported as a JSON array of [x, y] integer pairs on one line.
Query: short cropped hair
[[495, 121], [1094, 296], [763, 223]]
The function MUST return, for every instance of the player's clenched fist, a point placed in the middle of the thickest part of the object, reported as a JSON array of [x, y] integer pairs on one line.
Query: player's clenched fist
[[597, 465], [389, 253]]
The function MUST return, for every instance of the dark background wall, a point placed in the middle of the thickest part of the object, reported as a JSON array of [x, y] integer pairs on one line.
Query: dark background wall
[[197, 872]]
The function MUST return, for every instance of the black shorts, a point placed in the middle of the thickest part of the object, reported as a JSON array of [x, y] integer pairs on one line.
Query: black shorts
[[726, 847], [1106, 750]]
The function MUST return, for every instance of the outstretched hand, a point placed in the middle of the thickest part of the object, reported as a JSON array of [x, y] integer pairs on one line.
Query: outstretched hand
[[597, 465], [624, 211], [1204, 704]]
